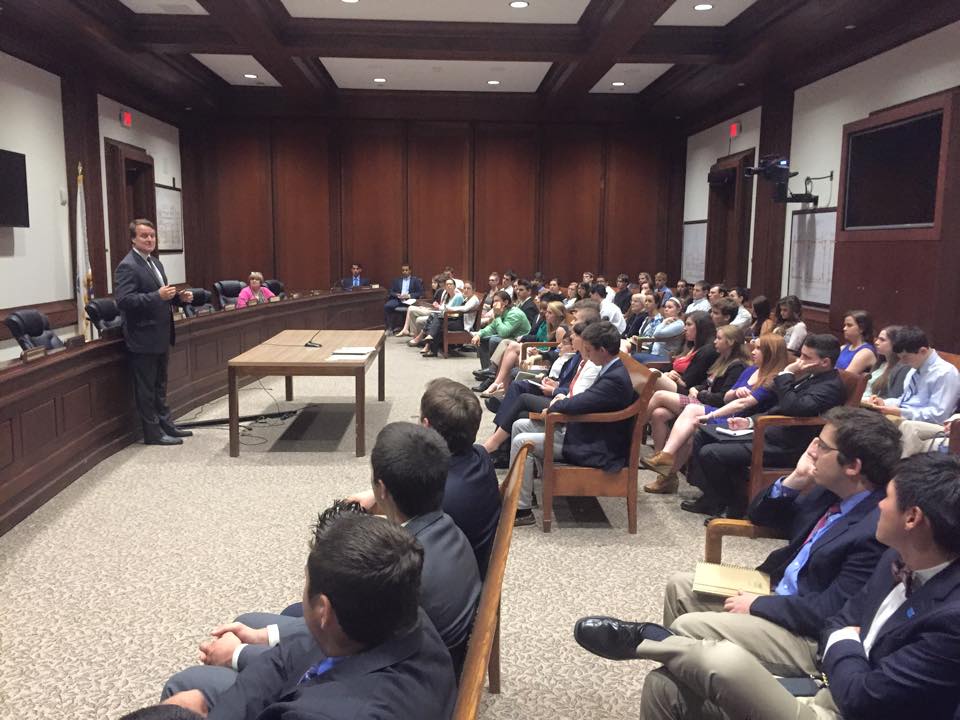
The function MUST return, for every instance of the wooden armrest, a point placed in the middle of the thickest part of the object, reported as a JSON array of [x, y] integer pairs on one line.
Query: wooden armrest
[[954, 438], [765, 421], [719, 528], [451, 313]]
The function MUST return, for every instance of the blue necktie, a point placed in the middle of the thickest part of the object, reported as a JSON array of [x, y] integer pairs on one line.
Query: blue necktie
[[315, 671], [912, 389], [356, 281]]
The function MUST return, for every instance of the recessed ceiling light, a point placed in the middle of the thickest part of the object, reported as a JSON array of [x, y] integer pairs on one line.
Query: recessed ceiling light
[[250, 76], [849, 27], [493, 82], [741, 84], [380, 81], [676, 117], [519, 4], [618, 83], [703, 7], [351, 2]]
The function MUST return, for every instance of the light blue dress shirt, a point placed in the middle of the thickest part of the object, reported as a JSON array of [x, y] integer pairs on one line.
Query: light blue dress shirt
[[930, 392], [788, 584]]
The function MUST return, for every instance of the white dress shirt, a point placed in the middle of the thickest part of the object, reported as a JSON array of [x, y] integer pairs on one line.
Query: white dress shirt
[[609, 311], [150, 264]]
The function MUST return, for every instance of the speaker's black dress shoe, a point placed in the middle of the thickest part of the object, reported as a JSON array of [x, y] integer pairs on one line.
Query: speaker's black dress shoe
[[615, 639], [484, 374], [701, 506], [177, 432], [482, 385], [164, 440]]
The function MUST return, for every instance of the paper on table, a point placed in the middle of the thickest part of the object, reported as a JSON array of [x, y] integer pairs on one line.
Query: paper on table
[[409, 301], [354, 351]]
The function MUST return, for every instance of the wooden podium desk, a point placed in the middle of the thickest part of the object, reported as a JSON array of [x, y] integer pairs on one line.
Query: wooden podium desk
[[286, 354]]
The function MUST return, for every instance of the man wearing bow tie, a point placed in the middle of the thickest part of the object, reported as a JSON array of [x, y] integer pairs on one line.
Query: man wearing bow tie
[[145, 300], [892, 652]]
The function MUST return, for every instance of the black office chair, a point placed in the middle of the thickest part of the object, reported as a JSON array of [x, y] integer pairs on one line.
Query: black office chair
[[202, 302], [31, 328], [104, 315], [227, 291], [276, 287]]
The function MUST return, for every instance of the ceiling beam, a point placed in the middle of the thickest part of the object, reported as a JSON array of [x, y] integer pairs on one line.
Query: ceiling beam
[[680, 45], [613, 28], [252, 25]]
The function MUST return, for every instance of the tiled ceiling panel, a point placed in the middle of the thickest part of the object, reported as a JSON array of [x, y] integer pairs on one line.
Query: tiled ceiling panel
[[436, 75], [165, 7], [495, 11]]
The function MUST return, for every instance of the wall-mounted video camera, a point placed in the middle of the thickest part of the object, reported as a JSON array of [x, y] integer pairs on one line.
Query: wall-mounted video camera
[[776, 169]]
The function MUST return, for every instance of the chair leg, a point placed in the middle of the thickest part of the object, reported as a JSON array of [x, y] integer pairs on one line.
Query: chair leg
[[547, 503], [632, 503], [493, 664]]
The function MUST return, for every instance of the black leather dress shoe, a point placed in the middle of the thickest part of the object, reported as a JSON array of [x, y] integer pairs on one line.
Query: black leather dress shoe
[[482, 385], [164, 440], [483, 374], [700, 506], [615, 639], [178, 432]]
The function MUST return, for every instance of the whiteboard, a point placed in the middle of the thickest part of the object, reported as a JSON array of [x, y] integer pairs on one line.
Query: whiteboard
[[812, 237], [169, 219], [694, 263]]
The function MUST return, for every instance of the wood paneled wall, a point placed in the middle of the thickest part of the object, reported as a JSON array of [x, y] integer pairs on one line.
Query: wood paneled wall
[[301, 200]]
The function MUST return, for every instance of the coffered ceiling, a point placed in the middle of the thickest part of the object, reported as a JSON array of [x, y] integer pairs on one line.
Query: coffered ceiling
[[552, 58]]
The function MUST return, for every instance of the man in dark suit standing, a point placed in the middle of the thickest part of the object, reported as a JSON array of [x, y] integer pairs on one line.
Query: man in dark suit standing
[[405, 287], [807, 387], [364, 651], [827, 507], [892, 652], [145, 298], [599, 445], [356, 279]]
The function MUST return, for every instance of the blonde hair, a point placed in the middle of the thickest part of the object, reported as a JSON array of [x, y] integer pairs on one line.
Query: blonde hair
[[738, 350], [256, 276]]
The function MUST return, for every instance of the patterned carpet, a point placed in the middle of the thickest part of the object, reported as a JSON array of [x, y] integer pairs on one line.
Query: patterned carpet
[[108, 589]]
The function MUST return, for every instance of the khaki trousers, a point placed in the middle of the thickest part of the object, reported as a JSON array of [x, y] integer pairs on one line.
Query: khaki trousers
[[708, 679], [701, 617]]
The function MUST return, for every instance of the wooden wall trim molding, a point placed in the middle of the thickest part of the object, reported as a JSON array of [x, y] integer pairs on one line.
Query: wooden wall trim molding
[[64, 413]]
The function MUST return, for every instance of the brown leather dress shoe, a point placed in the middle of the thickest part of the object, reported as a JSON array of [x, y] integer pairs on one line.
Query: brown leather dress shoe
[[663, 485]]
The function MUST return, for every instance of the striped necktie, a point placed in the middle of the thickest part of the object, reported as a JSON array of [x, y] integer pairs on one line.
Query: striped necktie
[[576, 376], [831, 511], [912, 388]]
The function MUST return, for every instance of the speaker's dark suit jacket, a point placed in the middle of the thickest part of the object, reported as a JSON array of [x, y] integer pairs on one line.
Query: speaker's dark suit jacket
[[599, 445], [347, 282], [913, 670], [147, 319], [407, 677], [839, 564], [396, 287]]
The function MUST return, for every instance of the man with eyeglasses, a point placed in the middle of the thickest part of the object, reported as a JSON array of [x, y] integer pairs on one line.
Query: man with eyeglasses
[[828, 508]]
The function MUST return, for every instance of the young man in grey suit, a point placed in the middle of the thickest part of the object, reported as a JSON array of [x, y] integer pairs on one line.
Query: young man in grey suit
[[145, 300], [365, 650], [892, 652]]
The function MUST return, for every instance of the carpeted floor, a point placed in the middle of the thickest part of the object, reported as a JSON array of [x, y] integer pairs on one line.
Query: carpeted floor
[[108, 589]]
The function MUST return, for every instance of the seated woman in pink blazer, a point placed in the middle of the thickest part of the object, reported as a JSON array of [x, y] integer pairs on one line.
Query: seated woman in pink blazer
[[255, 290]]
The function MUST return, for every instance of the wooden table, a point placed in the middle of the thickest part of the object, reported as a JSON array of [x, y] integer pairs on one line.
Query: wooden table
[[285, 354]]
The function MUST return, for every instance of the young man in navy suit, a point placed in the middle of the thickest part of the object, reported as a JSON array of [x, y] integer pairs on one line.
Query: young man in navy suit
[[827, 507], [406, 287], [145, 300], [892, 652], [365, 650], [599, 445], [356, 280]]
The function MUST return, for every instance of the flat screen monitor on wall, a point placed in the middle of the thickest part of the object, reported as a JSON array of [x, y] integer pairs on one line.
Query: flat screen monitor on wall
[[892, 174], [13, 190]]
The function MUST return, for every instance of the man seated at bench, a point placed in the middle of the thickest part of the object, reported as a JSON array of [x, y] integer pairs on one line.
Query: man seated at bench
[[600, 445], [365, 650]]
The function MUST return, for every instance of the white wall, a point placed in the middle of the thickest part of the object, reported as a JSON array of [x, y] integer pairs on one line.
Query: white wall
[[926, 65], [35, 262], [162, 143], [703, 150]]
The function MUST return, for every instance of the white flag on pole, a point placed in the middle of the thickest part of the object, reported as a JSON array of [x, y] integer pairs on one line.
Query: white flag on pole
[[84, 280]]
